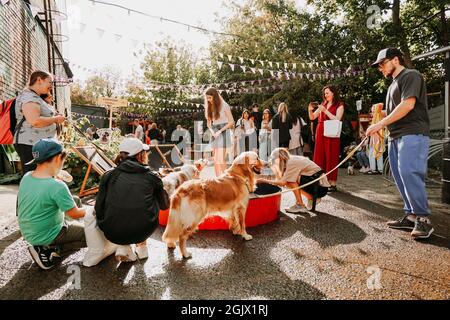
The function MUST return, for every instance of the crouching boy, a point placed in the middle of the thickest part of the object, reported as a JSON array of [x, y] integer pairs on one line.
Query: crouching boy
[[43, 203]]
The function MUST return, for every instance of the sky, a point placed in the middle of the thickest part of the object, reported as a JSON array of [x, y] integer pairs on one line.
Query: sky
[[101, 35]]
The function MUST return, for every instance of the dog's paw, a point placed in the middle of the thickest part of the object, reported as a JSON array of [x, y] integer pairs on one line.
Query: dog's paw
[[247, 237], [171, 246], [187, 255]]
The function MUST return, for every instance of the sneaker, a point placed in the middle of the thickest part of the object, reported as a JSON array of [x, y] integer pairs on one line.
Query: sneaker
[[125, 254], [142, 251], [332, 189], [43, 256], [309, 204], [296, 208], [401, 223], [422, 229]]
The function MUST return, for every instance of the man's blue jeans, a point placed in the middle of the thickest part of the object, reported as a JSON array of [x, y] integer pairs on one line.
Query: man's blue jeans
[[408, 156]]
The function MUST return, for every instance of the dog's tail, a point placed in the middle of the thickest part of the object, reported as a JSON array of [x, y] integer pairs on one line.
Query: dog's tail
[[174, 225]]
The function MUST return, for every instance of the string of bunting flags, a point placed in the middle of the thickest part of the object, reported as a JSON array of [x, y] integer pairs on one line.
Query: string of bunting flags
[[286, 65], [175, 102], [288, 75]]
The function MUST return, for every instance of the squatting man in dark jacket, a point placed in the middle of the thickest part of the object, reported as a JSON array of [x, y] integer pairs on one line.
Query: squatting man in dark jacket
[[127, 207]]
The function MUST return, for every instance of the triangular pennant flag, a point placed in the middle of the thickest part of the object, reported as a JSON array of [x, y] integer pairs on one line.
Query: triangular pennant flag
[[221, 55], [219, 64], [253, 70], [230, 57], [278, 65], [34, 10], [118, 37], [261, 62], [253, 61], [231, 66], [287, 75], [100, 32], [243, 68], [285, 65], [241, 59], [260, 81], [294, 66], [271, 73], [303, 65], [261, 71]]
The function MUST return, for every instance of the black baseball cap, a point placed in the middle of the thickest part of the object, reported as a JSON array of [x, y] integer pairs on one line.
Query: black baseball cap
[[387, 53]]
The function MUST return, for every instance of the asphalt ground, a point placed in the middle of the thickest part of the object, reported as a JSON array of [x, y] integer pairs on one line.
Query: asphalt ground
[[343, 251]]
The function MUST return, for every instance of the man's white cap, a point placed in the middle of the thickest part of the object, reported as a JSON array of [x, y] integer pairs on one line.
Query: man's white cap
[[133, 146]]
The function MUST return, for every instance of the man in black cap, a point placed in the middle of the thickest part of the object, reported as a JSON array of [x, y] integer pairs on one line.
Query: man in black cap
[[409, 130]]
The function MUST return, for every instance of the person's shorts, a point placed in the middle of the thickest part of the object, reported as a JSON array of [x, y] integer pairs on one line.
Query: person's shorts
[[321, 191], [222, 141]]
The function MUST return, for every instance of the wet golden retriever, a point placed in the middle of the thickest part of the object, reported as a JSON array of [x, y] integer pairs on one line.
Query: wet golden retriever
[[228, 195]]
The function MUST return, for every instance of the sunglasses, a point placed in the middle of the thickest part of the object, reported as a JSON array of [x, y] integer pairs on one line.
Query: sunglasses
[[382, 63]]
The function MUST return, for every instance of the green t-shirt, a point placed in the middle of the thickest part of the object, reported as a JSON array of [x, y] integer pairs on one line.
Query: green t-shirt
[[42, 203]]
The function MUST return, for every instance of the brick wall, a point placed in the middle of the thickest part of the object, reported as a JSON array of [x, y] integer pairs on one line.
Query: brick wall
[[23, 48]]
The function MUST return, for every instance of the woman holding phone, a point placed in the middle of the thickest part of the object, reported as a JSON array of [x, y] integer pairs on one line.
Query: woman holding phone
[[326, 150]]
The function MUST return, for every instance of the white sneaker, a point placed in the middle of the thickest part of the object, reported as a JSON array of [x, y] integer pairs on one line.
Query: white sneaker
[[309, 204], [125, 254], [296, 208], [142, 251]]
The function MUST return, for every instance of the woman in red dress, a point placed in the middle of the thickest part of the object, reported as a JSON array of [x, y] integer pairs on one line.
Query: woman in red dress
[[326, 150]]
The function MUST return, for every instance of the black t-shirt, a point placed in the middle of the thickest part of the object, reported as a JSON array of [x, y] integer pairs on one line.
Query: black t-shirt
[[408, 83], [257, 119]]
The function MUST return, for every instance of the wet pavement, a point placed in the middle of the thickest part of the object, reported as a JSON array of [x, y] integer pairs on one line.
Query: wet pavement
[[343, 251]]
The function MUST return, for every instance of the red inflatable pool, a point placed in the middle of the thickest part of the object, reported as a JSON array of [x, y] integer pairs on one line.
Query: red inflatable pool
[[259, 211]]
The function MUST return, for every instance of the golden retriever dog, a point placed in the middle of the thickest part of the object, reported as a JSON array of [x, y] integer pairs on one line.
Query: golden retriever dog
[[227, 195], [173, 178]]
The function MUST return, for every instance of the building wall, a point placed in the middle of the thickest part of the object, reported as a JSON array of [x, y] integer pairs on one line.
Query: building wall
[[23, 48]]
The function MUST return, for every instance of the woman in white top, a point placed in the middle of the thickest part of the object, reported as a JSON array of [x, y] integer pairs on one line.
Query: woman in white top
[[296, 142], [219, 121], [294, 171], [264, 136], [248, 133]]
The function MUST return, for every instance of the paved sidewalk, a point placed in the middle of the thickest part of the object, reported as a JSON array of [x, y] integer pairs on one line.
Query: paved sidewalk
[[344, 251]]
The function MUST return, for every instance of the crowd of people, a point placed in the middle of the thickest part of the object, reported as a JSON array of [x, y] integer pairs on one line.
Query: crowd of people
[[130, 195]]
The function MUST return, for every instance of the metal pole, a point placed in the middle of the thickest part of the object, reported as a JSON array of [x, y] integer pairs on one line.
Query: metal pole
[[445, 196], [55, 93], [447, 98], [110, 116], [48, 38]]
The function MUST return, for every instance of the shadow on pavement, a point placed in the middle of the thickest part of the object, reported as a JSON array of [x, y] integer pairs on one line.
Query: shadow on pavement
[[328, 230], [10, 238], [439, 238], [241, 270]]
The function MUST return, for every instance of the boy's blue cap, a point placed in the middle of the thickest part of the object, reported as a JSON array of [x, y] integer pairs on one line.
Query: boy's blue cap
[[45, 149]]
